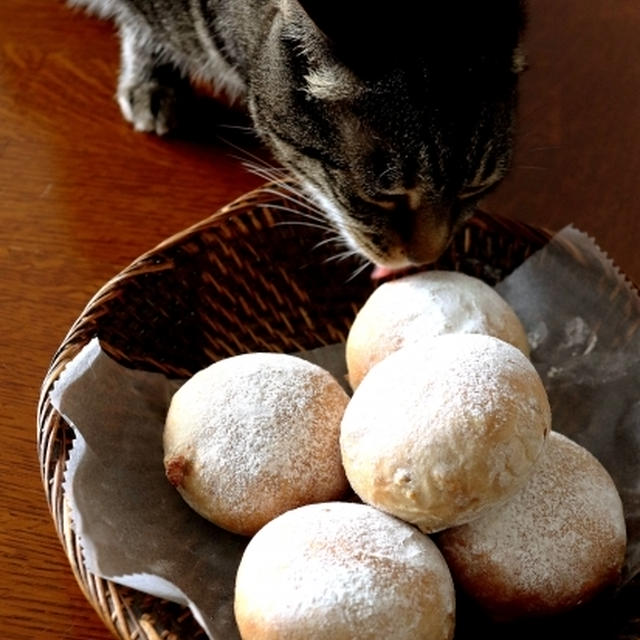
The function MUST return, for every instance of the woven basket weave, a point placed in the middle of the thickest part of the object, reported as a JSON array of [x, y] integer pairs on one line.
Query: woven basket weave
[[249, 278]]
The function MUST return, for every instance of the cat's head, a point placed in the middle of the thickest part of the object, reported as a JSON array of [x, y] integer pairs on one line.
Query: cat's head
[[397, 116]]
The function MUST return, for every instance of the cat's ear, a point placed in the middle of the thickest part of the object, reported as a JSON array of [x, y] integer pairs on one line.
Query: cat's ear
[[332, 82], [377, 30], [334, 18], [368, 33], [353, 24]]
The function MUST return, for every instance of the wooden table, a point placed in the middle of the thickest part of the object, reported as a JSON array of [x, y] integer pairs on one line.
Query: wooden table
[[82, 195]]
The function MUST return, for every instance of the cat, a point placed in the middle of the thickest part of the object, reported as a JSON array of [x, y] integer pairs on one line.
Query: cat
[[396, 117]]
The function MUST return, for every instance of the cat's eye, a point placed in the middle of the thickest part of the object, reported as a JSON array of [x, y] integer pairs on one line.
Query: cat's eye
[[389, 201]]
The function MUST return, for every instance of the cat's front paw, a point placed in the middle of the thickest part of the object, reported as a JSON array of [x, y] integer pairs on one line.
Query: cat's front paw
[[149, 106]]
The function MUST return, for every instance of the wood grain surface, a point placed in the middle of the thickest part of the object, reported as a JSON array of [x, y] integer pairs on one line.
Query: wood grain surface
[[82, 195]]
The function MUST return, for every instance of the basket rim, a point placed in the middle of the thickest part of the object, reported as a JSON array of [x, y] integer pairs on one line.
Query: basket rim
[[261, 196], [105, 596]]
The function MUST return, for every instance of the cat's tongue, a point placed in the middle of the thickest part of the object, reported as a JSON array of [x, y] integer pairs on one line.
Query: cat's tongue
[[381, 272]]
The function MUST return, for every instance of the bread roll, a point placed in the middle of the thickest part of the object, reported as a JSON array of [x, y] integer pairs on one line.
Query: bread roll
[[404, 311], [340, 571], [441, 431], [556, 544], [254, 435]]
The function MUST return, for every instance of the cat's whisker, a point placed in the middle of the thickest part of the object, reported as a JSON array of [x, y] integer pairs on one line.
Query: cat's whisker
[[237, 127], [347, 254], [358, 271], [281, 177], [307, 218], [300, 223], [277, 175], [312, 222], [245, 154], [308, 208], [270, 174], [342, 256], [283, 185], [264, 169], [302, 214], [339, 241], [336, 237], [302, 196], [286, 189], [289, 206]]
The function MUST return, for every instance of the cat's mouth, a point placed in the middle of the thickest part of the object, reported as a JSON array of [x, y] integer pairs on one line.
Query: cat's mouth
[[394, 243], [393, 250], [398, 238], [382, 273]]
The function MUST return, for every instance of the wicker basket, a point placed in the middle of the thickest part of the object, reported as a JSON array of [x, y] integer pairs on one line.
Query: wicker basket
[[249, 278]]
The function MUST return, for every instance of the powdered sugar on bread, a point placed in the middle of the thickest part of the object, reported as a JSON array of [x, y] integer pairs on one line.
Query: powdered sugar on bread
[[254, 435], [440, 431], [555, 544], [343, 570], [405, 311]]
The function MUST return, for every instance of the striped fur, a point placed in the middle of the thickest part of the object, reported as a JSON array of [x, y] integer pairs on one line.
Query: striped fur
[[395, 122]]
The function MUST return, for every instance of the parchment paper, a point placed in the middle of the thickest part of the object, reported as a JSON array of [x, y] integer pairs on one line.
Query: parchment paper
[[583, 322], [582, 318]]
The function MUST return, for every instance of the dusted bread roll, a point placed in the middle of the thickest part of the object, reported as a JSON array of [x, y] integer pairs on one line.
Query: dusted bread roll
[[404, 311], [556, 544], [340, 571], [254, 435], [441, 431]]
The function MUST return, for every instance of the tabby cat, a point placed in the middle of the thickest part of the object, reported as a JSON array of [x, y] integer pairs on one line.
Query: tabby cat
[[396, 117]]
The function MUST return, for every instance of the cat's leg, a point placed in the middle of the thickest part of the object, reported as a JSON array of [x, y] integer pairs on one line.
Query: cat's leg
[[148, 87]]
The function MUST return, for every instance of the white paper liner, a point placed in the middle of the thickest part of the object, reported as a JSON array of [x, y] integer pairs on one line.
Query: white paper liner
[[582, 319], [132, 524]]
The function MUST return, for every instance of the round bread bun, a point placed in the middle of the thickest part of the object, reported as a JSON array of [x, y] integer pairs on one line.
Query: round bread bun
[[254, 435], [441, 431], [556, 544], [339, 571], [404, 311]]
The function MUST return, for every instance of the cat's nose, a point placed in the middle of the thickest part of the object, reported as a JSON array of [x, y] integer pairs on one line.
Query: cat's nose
[[422, 230], [425, 236]]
